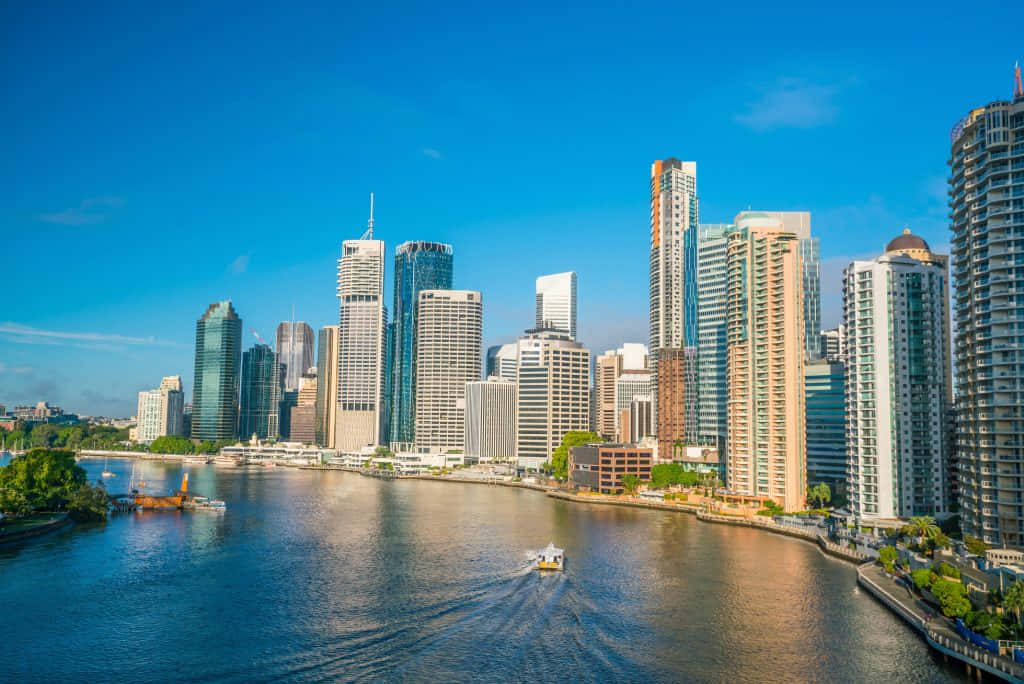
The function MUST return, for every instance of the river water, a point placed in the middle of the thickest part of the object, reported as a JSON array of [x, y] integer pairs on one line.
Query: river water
[[328, 576]]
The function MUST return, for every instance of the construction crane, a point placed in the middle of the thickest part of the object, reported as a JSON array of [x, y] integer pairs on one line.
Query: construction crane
[[257, 335]]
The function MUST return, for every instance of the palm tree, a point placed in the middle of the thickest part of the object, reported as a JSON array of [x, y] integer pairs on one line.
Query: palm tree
[[1013, 599], [677, 448], [923, 527]]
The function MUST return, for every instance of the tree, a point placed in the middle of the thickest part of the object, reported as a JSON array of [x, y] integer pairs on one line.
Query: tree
[[42, 479], [88, 503], [921, 526], [820, 493], [1013, 599], [923, 578], [888, 556], [44, 435], [952, 597], [560, 456], [630, 483], [975, 545], [171, 444]]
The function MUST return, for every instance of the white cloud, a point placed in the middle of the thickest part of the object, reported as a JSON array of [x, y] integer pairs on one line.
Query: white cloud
[[25, 334], [15, 370], [432, 153], [89, 211], [791, 103], [240, 264]]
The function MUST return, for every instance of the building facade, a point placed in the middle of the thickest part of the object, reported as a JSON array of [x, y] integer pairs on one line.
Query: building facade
[[712, 392], [601, 467], [362, 325], [556, 303], [833, 344], [673, 368], [899, 389], [553, 393], [449, 330], [261, 396], [673, 261], [327, 386], [502, 360], [824, 398], [633, 387], [418, 266], [217, 373], [766, 452], [303, 416], [986, 191], [491, 420], [608, 368], [294, 352], [161, 411]]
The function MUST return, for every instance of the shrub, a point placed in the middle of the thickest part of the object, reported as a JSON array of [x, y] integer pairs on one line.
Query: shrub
[[947, 570], [887, 556], [923, 578], [88, 504]]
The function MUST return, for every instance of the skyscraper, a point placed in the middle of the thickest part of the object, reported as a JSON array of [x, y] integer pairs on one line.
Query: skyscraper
[[898, 390], [294, 352], [362, 324], [554, 393], [986, 187], [556, 303], [327, 386], [502, 360], [262, 381], [673, 263], [491, 420], [217, 373], [303, 417], [449, 326], [632, 385], [833, 344], [766, 452], [609, 367], [161, 411], [825, 397], [712, 391], [418, 266]]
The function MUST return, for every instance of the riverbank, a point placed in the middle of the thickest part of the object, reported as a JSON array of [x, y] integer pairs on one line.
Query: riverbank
[[36, 526]]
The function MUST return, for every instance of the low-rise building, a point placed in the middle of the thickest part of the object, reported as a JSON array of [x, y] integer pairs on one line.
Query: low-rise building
[[600, 467]]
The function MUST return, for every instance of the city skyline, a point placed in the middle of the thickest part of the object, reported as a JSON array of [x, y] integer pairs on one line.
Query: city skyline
[[825, 129]]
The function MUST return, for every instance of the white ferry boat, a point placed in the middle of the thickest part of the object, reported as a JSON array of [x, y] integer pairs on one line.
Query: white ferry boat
[[550, 558]]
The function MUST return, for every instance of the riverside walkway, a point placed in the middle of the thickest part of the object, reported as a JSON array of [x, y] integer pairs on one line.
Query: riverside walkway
[[937, 630]]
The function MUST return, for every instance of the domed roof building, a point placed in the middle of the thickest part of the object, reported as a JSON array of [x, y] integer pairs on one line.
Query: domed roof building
[[914, 247]]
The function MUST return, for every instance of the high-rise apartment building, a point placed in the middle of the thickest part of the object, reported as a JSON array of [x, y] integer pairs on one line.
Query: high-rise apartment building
[[449, 330], [986, 191], [554, 393], [898, 389], [262, 382], [825, 397], [673, 263], [491, 420], [712, 392], [833, 344], [303, 416], [502, 360], [633, 386], [418, 266], [673, 369], [294, 352], [327, 386], [217, 373], [630, 357], [765, 452], [362, 325], [161, 411], [556, 303]]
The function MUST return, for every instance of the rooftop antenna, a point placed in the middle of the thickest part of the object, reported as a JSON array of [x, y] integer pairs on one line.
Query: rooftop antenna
[[368, 235], [1018, 90]]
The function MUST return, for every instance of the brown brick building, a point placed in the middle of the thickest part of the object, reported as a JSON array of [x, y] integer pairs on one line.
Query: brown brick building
[[672, 371], [600, 467]]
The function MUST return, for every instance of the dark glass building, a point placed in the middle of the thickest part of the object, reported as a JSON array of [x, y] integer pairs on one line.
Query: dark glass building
[[262, 382], [418, 266], [218, 362]]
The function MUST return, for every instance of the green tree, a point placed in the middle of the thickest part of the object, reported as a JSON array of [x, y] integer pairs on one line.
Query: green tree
[[172, 444], [44, 435], [88, 503], [952, 597], [630, 483], [975, 545], [888, 556], [820, 493], [923, 578], [560, 456], [41, 479], [1013, 599], [923, 527], [947, 570]]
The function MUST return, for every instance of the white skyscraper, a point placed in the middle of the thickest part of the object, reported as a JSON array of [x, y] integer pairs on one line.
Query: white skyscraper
[[449, 326], [556, 302], [491, 420], [502, 361], [161, 411], [898, 381], [362, 323]]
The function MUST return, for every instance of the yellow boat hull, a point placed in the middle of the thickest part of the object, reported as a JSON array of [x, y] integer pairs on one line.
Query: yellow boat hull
[[541, 565]]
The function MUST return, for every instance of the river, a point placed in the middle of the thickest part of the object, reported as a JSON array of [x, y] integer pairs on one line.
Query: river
[[327, 576]]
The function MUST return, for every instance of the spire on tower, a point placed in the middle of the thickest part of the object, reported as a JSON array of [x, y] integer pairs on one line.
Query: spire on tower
[[1018, 90], [369, 228]]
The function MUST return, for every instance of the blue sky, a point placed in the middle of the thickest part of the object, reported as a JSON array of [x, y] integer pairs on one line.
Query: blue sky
[[158, 159]]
